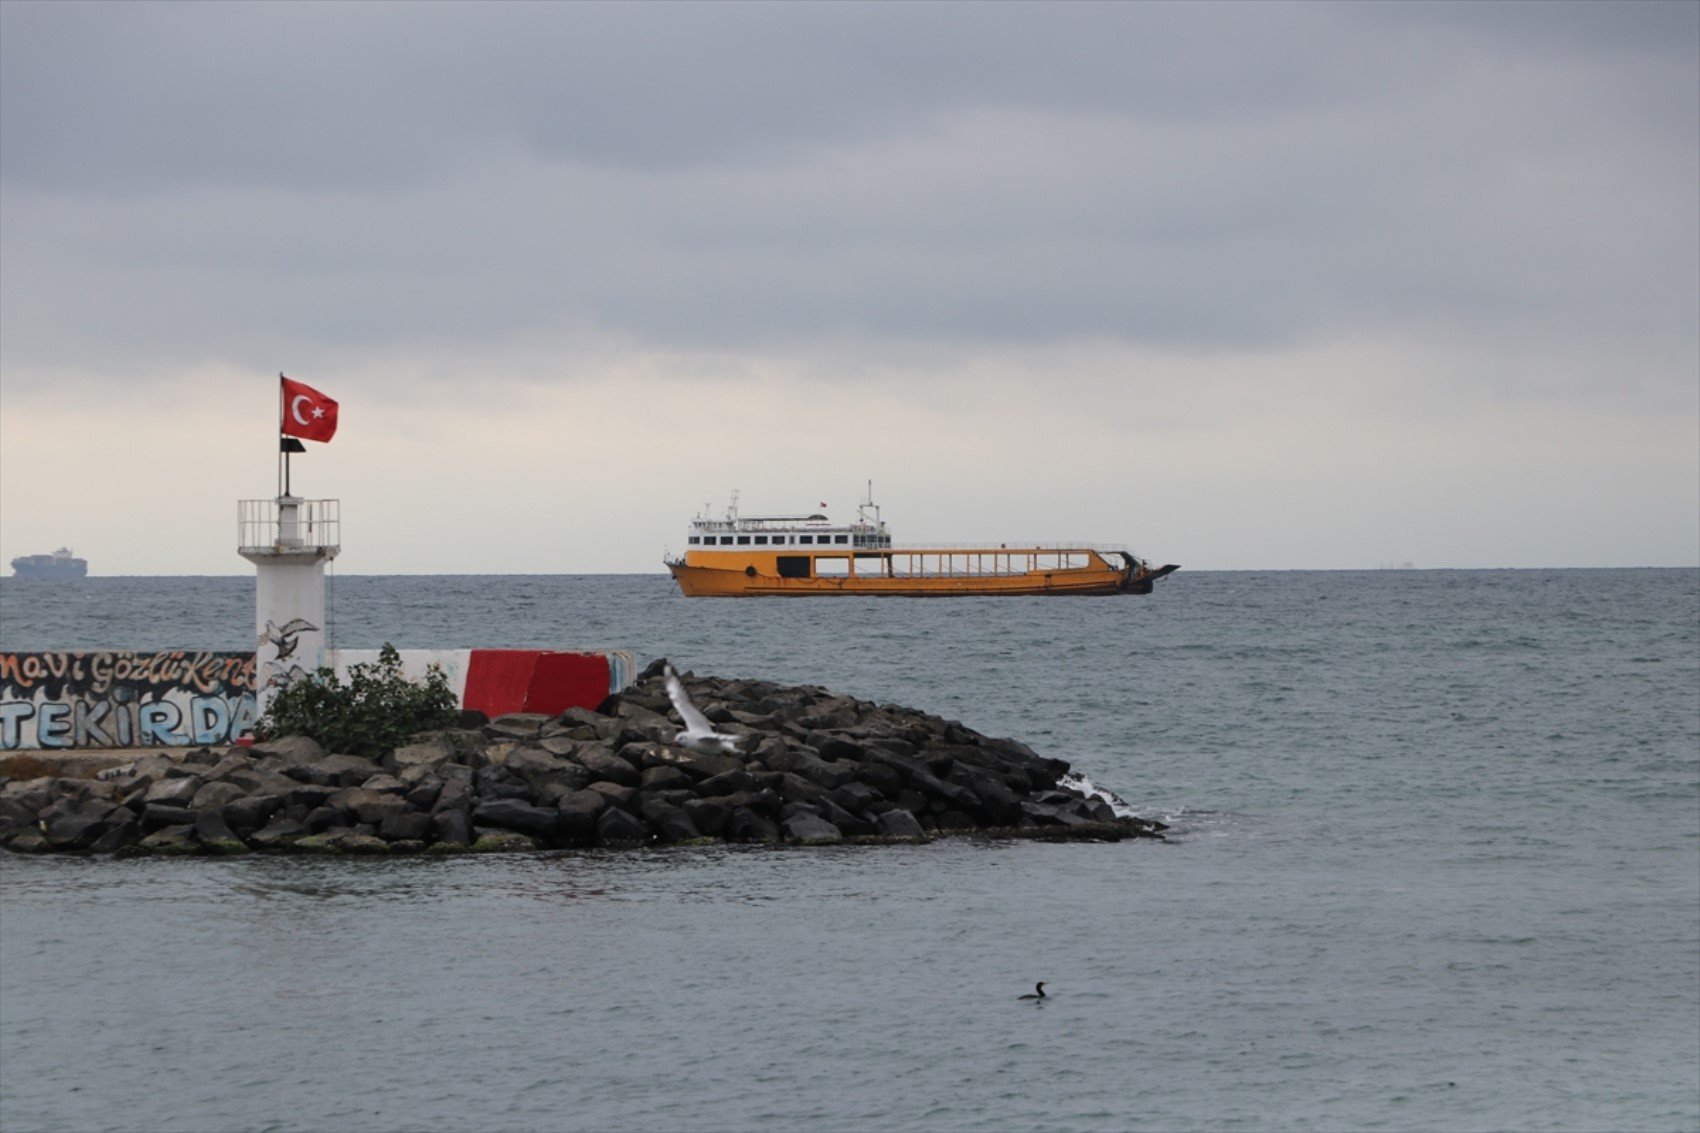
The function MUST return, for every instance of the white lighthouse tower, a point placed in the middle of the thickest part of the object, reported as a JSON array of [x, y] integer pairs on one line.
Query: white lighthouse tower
[[289, 540]]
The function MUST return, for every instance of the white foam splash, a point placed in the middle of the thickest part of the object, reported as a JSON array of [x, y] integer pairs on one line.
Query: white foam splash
[[1081, 785]]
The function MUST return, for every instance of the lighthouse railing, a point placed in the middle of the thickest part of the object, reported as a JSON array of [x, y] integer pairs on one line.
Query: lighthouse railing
[[288, 524]]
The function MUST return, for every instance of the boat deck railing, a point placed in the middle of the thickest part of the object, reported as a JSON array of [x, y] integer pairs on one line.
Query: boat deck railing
[[966, 561], [1010, 548]]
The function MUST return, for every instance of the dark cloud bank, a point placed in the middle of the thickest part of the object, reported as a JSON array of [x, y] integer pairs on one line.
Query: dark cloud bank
[[190, 182]]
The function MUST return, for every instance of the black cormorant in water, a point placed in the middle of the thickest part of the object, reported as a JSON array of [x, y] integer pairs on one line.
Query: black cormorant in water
[[1038, 989]]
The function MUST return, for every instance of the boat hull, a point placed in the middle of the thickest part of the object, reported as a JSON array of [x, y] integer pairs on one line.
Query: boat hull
[[748, 580], [43, 567]]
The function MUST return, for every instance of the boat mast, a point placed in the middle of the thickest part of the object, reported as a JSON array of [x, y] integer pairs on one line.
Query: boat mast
[[862, 508]]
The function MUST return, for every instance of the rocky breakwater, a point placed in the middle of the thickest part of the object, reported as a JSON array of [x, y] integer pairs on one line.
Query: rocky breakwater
[[813, 769]]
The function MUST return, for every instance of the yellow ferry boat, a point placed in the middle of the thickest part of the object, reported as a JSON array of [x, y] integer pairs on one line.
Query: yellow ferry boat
[[749, 556]]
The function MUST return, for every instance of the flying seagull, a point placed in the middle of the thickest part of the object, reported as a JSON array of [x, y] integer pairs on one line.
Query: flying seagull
[[699, 735]]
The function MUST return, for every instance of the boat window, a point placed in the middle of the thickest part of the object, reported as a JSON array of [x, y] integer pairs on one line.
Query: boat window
[[805, 538], [726, 540], [695, 540], [761, 540], [743, 540], [793, 566], [841, 539]]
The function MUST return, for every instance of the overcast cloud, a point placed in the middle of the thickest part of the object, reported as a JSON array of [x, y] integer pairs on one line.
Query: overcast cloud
[[1243, 285]]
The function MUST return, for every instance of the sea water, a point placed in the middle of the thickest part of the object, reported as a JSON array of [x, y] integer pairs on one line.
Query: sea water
[[1434, 864]]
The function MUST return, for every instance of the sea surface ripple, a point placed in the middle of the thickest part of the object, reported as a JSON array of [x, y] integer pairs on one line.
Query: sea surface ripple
[[1435, 865]]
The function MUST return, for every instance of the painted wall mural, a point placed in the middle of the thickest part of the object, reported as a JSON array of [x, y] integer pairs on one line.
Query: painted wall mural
[[115, 699]]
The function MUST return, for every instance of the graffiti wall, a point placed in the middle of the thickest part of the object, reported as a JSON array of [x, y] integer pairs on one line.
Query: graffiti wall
[[111, 698]]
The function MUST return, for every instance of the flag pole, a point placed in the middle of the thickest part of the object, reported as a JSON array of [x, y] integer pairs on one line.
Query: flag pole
[[283, 449]]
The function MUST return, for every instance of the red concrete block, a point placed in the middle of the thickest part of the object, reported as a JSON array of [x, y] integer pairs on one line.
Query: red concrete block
[[498, 681], [567, 680]]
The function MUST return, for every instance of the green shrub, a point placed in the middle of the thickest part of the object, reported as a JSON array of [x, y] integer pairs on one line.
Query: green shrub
[[376, 711]]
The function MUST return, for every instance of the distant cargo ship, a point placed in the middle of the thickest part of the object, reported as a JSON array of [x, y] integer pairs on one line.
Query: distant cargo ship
[[60, 564], [748, 556]]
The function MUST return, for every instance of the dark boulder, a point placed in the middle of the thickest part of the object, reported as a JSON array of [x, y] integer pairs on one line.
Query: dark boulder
[[1049, 814], [174, 792], [423, 796], [694, 764], [366, 806], [452, 827], [324, 818], [540, 769], [235, 761], [247, 815], [215, 833], [214, 796], [726, 783], [605, 765], [412, 826], [258, 781], [120, 832], [579, 718], [1098, 810], [615, 794], [578, 811], [75, 831], [746, 825], [511, 814], [664, 778], [899, 823], [158, 816], [794, 788], [880, 777], [309, 795], [301, 749], [942, 795], [999, 806], [516, 726], [813, 768], [15, 812], [847, 822], [614, 827], [278, 834], [761, 802], [838, 747], [812, 830], [912, 801], [856, 797], [31, 841], [428, 755], [343, 770], [708, 815], [455, 793], [171, 840], [670, 823], [494, 782]]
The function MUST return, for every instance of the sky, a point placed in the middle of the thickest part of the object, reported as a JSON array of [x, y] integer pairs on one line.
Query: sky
[[1241, 286]]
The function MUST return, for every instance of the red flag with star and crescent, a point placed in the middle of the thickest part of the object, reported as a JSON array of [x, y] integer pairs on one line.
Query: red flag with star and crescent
[[307, 413]]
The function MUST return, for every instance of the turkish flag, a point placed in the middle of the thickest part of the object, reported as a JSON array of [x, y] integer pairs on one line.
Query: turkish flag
[[307, 413]]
